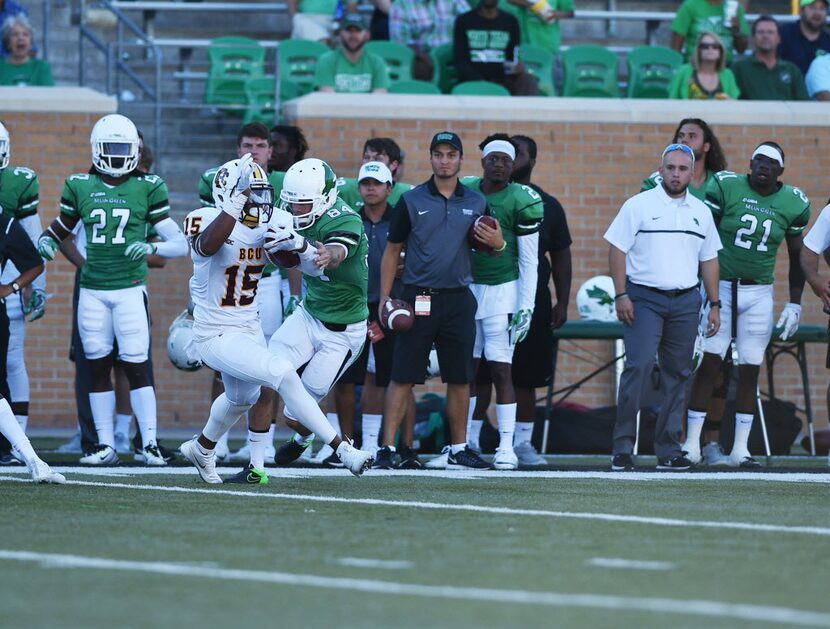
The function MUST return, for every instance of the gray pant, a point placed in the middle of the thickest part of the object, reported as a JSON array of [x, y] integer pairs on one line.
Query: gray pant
[[666, 327]]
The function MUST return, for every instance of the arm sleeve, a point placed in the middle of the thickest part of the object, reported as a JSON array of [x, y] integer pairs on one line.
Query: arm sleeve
[[622, 230], [400, 225], [682, 21], [31, 225], [528, 269], [817, 239], [800, 223], [346, 233], [174, 244], [19, 248]]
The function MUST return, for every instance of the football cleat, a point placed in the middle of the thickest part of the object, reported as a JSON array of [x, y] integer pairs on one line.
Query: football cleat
[[506, 459], [623, 462], [439, 462], [466, 459], [743, 460], [527, 454], [409, 459], [205, 463], [249, 476], [290, 451], [100, 454], [713, 455], [152, 456], [692, 452], [385, 458], [354, 460], [43, 474]]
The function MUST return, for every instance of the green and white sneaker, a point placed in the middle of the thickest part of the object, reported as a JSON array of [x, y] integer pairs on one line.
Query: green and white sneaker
[[249, 476]]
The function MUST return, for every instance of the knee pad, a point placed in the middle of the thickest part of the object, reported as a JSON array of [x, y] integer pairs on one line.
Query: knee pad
[[138, 374]]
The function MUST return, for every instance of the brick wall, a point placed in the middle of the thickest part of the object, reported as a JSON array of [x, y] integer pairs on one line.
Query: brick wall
[[590, 165]]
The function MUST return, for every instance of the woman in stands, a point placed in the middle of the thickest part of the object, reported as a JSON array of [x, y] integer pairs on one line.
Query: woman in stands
[[707, 76], [20, 66]]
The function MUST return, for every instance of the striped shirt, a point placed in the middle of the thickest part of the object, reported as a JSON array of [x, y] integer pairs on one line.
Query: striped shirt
[[424, 23]]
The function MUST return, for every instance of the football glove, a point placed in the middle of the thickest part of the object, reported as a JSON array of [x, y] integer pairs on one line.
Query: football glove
[[291, 306], [36, 306], [519, 326], [47, 247], [232, 200], [282, 239], [543, 10], [140, 250], [788, 321]]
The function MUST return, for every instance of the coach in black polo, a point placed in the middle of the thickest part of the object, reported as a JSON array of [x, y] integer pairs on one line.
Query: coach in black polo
[[432, 221]]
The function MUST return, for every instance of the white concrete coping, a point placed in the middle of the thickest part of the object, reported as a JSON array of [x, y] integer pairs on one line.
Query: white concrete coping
[[554, 109], [56, 100]]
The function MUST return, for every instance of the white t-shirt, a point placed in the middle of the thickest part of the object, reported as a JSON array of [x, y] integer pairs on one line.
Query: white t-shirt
[[664, 239], [818, 238]]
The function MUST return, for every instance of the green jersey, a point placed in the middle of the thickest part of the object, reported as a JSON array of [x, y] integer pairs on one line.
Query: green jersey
[[114, 217], [752, 227], [519, 210], [654, 179], [275, 178], [350, 193], [338, 72], [340, 295], [19, 189]]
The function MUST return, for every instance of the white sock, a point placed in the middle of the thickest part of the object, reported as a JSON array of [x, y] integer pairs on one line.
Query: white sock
[[23, 421], [102, 404], [122, 423], [12, 431], [523, 432], [474, 432], [143, 401], [371, 430], [694, 427], [743, 424], [506, 417], [305, 407], [271, 435], [334, 420], [455, 448], [257, 441], [223, 415]]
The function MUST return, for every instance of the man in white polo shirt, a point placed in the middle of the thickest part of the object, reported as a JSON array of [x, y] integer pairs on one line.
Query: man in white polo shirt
[[660, 240]]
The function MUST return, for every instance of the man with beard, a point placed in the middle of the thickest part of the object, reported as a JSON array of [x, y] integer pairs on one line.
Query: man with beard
[[351, 69], [806, 39], [659, 241]]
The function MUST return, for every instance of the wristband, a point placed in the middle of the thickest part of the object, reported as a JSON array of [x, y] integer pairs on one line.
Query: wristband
[[502, 248], [715, 304], [619, 295], [15, 287]]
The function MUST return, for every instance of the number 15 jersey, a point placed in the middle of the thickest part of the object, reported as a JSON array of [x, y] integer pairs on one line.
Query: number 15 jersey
[[751, 226], [223, 286]]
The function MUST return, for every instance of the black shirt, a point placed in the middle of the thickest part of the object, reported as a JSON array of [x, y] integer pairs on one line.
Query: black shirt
[[435, 231], [377, 234], [15, 245], [482, 46], [554, 234]]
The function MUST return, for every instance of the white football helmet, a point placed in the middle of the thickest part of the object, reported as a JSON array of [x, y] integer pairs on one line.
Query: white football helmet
[[114, 142], [309, 181], [5, 147], [178, 343], [260, 205], [595, 299]]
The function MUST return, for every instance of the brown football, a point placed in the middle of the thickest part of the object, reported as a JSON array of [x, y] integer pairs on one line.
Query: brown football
[[397, 315], [284, 259], [474, 242]]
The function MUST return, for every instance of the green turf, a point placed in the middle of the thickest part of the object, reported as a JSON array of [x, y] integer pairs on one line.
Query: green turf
[[483, 550]]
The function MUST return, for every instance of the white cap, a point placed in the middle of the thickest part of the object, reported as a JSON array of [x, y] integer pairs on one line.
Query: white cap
[[771, 152], [500, 146], [375, 170]]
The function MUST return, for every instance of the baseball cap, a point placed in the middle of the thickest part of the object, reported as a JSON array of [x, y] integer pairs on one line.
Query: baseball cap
[[446, 137], [375, 170], [806, 3], [353, 19]]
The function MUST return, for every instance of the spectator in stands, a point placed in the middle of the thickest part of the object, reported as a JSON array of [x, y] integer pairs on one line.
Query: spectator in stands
[[485, 48], [696, 16], [424, 26], [539, 20], [10, 8], [707, 76], [20, 67], [764, 76], [314, 19], [817, 80], [379, 24], [805, 39], [350, 68]]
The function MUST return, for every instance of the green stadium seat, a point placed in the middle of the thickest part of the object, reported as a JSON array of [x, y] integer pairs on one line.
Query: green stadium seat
[[233, 61], [398, 58], [480, 88], [539, 63], [650, 71], [445, 76], [590, 71], [298, 61], [260, 97], [413, 86]]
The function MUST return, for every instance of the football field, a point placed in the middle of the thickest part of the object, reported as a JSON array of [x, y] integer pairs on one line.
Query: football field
[[576, 547]]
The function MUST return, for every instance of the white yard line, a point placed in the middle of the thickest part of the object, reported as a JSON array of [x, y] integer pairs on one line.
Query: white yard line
[[777, 616], [383, 564], [608, 562], [435, 506]]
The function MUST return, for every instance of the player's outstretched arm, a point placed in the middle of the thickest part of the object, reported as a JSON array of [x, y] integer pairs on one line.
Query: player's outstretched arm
[[174, 243], [208, 241]]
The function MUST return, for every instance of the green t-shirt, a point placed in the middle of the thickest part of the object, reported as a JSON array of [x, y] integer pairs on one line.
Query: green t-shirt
[[758, 82], [321, 7], [367, 74], [19, 191], [752, 227], [275, 177], [519, 211], [340, 295], [535, 31], [113, 218], [349, 192], [695, 16], [655, 178], [36, 72], [684, 85]]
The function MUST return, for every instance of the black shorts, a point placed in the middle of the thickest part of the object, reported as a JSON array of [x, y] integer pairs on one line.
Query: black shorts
[[533, 357], [450, 326], [356, 373]]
